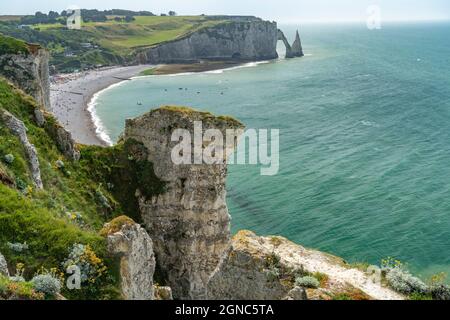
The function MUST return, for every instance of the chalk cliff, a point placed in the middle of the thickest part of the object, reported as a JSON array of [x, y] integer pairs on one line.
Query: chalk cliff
[[296, 49], [190, 228], [189, 223], [131, 243], [18, 128], [239, 39], [29, 71]]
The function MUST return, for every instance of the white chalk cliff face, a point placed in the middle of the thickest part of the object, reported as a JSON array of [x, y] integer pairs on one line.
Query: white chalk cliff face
[[253, 39], [137, 261], [18, 128], [29, 72], [189, 223]]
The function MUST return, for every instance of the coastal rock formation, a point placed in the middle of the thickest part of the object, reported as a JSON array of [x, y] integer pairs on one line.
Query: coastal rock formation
[[296, 49], [3, 266], [137, 261], [189, 223], [18, 128], [30, 72], [61, 136], [249, 272], [267, 268], [237, 39]]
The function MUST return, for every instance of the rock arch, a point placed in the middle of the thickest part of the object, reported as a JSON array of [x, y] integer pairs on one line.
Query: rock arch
[[296, 49]]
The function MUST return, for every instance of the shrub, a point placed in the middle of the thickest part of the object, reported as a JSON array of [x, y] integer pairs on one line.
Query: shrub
[[102, 199], [11, 290], [115, 225], [420, 296], [47, 284], [307, 282], [9, 45], [9, 158], [91, 267], [402, 281], [440, 292], [76, 217], [273, 274], [390, 263], [18, 247], [18, 277], [60, 165], [21, 185]]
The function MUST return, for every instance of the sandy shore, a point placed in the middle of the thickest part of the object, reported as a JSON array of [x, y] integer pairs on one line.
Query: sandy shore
[[193, 67], [71, 93]]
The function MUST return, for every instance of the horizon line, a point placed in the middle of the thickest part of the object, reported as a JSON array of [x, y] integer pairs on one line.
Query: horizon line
[[292, 21]]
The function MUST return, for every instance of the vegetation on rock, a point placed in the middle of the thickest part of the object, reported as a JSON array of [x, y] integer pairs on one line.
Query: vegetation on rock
[[10, 45]]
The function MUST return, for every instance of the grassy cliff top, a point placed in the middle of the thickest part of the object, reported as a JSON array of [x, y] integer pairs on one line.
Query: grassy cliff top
[[10, 45], [207, 116], [121, 37]]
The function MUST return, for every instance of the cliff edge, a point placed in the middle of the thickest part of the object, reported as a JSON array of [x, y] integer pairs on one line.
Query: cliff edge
[[26, 65], [237, 39]]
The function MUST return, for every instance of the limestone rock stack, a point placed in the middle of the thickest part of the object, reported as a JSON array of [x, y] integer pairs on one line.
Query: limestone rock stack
[[297, 49], [189, 223]]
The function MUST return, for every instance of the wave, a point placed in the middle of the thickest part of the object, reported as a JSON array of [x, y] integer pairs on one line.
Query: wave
[[246, 65], [100, 129]]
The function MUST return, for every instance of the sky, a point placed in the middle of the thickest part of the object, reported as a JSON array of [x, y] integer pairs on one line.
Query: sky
[[279, 10]]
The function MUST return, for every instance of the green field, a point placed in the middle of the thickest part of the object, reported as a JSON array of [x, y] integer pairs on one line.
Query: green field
[[106, 43], [123, 37], [10, 18]]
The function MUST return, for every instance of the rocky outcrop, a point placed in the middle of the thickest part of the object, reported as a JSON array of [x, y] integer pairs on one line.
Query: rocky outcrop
[[63, 138], [29, 72], [296, 49], [18, 128], [189, 223], [260, 268], [251, 272], [238, 39], [3, 266], [137, 261]]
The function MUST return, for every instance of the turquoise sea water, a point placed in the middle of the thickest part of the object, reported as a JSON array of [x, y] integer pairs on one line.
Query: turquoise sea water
[[364, 125]]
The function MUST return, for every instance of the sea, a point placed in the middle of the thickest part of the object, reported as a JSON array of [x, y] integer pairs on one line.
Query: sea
[[364, 122]]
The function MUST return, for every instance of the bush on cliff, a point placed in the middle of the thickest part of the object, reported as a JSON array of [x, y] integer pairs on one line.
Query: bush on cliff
[[10, 290], [10, 45], [39, 217]]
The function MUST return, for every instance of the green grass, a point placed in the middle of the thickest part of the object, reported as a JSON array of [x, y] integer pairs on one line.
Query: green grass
[[10, 45], [17, 290], [121, 37], [40, 217], [115, 42], [100, 187], [148, 72]]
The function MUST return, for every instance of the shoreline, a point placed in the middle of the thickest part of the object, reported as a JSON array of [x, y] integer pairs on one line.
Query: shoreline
[[73, 96]]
